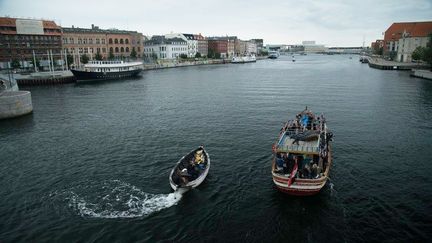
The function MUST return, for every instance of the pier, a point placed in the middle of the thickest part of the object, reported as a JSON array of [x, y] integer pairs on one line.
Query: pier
[[379, 63]]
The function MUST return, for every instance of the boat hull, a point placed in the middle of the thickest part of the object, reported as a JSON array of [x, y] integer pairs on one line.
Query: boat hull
[[299, 186], [194, 183], [83, 76]]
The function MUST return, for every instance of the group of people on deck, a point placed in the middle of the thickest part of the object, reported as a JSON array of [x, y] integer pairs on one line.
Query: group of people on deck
[[305, 120], [307, 167]]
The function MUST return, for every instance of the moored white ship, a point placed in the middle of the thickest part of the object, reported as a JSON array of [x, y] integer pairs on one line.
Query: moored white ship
[[106, 70], [243, 59]]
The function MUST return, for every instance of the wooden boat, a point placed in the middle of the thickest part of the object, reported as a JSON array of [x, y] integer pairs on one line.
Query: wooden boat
[[302, 155], [191, 170]]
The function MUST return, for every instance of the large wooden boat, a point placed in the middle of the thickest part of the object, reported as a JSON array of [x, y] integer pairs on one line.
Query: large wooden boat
[[107, 70], [191, 170], [302, 155]]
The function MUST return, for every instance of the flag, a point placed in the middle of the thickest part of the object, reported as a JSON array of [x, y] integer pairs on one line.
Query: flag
[[293, 173]]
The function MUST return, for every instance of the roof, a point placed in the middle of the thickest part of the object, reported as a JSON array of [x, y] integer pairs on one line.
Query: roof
[[96, 30], [160, 39], [412, 29]]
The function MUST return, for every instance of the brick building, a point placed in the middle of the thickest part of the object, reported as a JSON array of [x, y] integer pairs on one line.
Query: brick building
[[403, 38], [202, 44], [20, 38], [120, 43], [225, 46]]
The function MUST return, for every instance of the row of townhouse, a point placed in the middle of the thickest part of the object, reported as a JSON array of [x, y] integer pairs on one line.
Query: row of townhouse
[[28, 39], [401, 39]]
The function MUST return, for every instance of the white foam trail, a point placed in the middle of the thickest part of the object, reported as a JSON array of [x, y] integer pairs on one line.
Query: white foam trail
[[120, 200]]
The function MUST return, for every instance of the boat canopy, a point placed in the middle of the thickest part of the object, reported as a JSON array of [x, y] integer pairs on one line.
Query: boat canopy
[[289, 144]]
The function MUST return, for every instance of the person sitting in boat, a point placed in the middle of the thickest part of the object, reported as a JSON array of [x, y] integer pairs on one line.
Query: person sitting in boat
[[280, 163], [199, 159]]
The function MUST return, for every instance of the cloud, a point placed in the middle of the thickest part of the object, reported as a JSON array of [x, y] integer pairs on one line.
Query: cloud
[[335, 23]]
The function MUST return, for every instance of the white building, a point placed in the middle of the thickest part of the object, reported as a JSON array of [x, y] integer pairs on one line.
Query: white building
[[165, 48], [406, 46], [312, 47], [192, 42]]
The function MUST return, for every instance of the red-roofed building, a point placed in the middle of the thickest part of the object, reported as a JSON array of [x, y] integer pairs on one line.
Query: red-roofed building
[[19, 38], [404, 38]]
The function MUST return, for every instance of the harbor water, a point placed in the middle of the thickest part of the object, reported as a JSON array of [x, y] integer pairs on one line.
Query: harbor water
[[91, 163]]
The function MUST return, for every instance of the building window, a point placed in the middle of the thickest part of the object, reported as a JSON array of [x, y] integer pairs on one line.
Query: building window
[[139, 49], [115, 41], [110, 41], [85, 50], [116, 49], [91, 50], [71, 40], [97, 41], [111, 49], [98, 50], [104, 50], [79, 41], [85, 41], [103, 41], [127, 41], [127, 49], [122, 49], [121, 41], [90, 41]]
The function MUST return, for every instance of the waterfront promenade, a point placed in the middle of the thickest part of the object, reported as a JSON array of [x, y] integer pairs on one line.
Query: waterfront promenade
[[380, 63]]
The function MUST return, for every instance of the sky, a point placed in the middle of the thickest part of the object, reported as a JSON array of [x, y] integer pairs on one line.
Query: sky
[[332, 23]]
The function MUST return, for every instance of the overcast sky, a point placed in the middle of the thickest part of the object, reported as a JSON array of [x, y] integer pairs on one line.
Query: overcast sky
[[333, 23]]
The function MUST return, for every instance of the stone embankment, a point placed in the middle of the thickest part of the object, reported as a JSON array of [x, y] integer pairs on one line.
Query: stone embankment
[[379, 63], [420, 73]]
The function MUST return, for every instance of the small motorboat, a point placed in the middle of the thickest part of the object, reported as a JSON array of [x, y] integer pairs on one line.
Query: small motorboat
[[191, 170]]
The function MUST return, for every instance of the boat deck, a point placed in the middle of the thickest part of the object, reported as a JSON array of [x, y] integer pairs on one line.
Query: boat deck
[[286, 144]]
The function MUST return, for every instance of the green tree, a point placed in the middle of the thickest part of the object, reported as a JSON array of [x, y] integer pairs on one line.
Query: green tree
[[37, 63], [428, 52], [70, 60], [217, 55], [183, 56], [133, 53], [392, 55], [84, 59], [111, 55], [15, 63], [419, 53], [154, 56], [211, 53], [198, 55], [98, 56]]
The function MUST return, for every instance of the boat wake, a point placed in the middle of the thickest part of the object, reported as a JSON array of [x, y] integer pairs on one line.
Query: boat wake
[[116, 199]]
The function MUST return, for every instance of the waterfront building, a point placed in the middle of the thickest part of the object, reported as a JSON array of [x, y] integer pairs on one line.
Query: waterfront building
[[192, 43], [377, 46], [160, 47], [79, 41], [401, 39], [225, 46], [312, 47], [245, 47], [202, 44], [259, 44], [20, 38]]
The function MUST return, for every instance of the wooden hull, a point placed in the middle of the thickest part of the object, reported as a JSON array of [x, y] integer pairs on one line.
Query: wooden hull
[[83, 76], [299, 186]]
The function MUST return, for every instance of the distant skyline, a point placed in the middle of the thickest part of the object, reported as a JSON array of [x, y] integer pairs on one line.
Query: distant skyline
[[332, 23]]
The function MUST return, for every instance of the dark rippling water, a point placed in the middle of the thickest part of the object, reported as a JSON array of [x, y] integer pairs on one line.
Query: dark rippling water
[[92, 162]]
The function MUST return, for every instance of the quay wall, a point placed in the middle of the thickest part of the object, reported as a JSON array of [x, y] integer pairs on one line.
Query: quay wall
[[420, 73], [15, 103]]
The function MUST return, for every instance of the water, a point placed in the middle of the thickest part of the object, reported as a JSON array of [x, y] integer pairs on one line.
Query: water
[[92, 162]]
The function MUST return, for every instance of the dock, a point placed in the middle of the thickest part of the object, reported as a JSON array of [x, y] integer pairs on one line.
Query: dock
[[379, 63]]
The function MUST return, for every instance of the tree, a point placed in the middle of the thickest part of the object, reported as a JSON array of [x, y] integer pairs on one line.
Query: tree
[[111, 55], [419, 53], [84, 59], [183, 56], [154, 56], [428, 52], [37, 63], [15, 63], [217, 55], [211, 53], [70, 60], [198, 55], [133, 53], [98, 56]]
